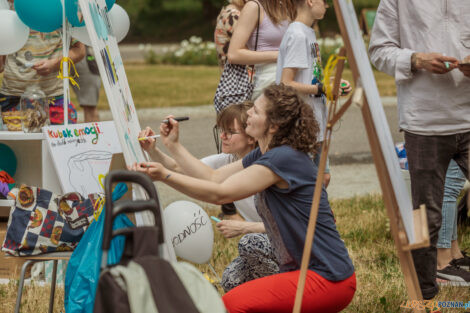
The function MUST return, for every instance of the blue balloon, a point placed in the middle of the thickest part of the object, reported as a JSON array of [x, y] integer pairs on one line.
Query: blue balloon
[[71, 10], [110, 3], [41, 15], [7, 160]]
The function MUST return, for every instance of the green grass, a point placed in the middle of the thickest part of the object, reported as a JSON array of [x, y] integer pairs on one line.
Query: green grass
[[363, 224], [169, 85]]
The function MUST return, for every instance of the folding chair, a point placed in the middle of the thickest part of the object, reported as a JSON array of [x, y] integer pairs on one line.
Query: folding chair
[[30, 260]]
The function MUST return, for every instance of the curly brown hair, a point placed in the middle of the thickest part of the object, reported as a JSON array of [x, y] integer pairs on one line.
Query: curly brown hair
[[297, 126]]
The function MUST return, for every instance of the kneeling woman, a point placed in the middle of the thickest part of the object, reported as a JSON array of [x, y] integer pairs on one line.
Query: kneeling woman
[[282, 175]]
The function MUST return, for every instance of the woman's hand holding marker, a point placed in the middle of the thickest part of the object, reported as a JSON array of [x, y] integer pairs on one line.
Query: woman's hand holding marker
[[147, 139], [169, 129]]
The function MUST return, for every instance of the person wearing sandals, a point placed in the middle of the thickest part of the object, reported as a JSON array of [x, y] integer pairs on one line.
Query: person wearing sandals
[[256, 258], [251, 44], [282, 176]]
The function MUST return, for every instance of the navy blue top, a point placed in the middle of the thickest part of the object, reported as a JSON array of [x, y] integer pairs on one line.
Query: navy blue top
[[290, 209]]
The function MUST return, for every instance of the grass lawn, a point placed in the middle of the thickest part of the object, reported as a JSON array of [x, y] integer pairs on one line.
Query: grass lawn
[[168, 85], [363, 225]]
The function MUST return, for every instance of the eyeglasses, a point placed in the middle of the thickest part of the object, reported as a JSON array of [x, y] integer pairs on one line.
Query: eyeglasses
[[216, 131], [228, 133]]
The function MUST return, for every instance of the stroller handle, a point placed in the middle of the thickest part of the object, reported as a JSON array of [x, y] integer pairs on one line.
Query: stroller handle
[[129, 206]]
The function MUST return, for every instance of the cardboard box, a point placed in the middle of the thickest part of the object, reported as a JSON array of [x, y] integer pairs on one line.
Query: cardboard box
[[10, 267]]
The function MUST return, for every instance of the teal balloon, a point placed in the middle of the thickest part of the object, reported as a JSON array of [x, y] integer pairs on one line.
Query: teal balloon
[[110, 3], [41, 15], [71, 10], [8, 161]]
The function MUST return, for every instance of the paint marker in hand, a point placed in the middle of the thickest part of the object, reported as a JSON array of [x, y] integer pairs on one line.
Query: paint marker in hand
[[215, 219], [446, 63], [148, 137], [178, 119]]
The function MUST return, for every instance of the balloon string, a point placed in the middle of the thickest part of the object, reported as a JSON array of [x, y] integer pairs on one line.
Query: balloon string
[[98, 207], [71, 78], [330, 66], [213, 271]]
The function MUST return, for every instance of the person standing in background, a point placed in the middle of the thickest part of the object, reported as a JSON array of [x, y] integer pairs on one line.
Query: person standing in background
[[37, 64], [225, 25], [274, 17], [89, 81], [421, 43]]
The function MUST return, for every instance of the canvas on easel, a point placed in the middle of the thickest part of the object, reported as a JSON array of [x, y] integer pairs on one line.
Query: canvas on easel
[[116, 86], [409, 228]]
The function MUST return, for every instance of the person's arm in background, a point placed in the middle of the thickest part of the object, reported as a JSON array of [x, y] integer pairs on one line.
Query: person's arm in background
[[232, 228], [238, 53], [465, 69], [2, 63], [45, 67], [387, 55], [288, 78]]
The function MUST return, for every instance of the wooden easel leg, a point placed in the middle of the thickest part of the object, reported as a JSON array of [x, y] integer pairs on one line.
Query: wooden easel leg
[[406, 260]]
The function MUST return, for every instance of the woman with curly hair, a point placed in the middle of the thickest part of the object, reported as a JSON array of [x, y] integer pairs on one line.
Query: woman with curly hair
[[282, 175]]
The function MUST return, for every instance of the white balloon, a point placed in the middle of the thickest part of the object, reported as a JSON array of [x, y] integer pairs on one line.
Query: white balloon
[[81, 34], [190, 231], [14, 33], [4, 5], [120, 23]]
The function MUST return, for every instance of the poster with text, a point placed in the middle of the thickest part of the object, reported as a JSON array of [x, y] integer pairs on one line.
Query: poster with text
[[116, 86], [82, 154]]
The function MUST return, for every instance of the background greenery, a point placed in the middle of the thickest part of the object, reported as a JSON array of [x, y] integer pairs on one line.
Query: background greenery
[[169, 85], [175, 20]]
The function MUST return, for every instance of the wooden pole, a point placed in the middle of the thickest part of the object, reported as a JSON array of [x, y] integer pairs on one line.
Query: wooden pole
[[318, 190]]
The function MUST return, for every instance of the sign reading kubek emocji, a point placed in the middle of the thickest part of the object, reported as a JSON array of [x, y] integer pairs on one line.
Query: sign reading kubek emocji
[[116, 86], [82, 154]]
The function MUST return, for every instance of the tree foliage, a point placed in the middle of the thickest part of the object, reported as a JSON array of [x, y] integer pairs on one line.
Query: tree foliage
[[175, 20]]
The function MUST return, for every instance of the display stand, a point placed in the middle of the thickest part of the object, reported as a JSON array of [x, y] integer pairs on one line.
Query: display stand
[[35, 166], [419, 227]]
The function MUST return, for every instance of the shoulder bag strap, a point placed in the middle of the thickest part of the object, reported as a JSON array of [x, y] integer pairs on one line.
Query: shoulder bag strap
[[256, 41]]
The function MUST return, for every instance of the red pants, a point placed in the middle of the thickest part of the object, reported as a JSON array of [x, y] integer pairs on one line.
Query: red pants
[[276, 294]]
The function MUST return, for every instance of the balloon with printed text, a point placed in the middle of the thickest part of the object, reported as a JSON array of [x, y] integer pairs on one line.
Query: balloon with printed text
[[190, 231]]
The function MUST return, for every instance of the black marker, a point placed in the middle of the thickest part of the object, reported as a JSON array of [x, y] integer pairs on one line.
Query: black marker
[[178, 119]]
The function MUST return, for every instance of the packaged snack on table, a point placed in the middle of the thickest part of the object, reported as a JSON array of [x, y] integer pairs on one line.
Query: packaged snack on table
[[34, 110]]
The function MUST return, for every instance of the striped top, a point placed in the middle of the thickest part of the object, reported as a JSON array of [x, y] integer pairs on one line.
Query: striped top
[[18, 73]]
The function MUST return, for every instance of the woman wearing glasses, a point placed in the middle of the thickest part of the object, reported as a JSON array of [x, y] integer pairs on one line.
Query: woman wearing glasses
[[256, 258]]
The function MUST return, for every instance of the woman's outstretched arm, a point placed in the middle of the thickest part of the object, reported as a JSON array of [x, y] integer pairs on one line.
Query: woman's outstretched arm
[[247, 182]]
